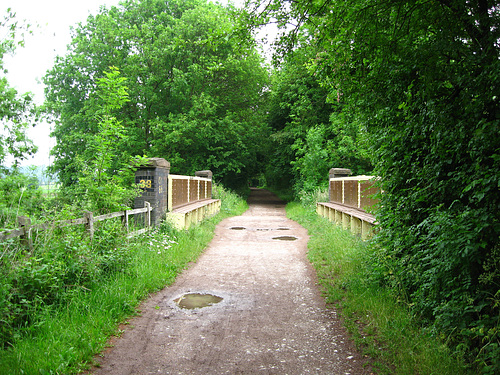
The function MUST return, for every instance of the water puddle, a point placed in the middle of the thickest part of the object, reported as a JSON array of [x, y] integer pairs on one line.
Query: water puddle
[[196, 300], [237, 228], [285, 238], [268, 229]]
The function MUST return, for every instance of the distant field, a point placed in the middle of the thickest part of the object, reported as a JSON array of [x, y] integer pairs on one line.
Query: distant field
[[49, 188]]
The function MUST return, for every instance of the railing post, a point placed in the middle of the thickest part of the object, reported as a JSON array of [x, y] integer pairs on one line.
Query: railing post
[[206, 174], [89, 225], [147, 217], [170, 194], [125, 220], [25, 223]]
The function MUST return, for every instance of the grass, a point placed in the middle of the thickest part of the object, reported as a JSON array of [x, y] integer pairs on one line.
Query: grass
[[66, 337], [382, 328]]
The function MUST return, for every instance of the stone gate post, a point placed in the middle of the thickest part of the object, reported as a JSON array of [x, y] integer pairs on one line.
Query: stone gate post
[[153, 178]]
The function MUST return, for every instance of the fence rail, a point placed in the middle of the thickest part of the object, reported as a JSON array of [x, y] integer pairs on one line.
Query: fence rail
[[26, 228]]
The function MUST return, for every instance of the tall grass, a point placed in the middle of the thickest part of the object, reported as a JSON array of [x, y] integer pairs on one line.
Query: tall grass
[[382, 328], [61, 337]]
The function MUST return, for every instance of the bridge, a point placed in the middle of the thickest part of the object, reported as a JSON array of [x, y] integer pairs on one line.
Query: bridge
[[352, 200], [181, 200]]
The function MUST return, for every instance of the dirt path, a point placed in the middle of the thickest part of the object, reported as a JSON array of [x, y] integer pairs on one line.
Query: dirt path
[[272, 319]]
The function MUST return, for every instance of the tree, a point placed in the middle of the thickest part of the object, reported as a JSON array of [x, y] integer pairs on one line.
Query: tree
[[101, 186], [311, 131], [17, 112], [422, 78], [183, 63]]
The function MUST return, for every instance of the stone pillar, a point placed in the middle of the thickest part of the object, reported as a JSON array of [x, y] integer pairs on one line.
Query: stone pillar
[[340, 172], [153, 178], [206, 174], [333, 173]]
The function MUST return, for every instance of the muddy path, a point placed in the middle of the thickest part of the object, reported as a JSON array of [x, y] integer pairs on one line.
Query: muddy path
[[272, 319]]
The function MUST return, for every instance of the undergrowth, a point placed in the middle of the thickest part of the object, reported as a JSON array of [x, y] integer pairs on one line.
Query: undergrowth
[[381, 325], [61, 301]]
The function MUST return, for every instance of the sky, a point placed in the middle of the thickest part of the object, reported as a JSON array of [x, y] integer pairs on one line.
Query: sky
[[51, 34]]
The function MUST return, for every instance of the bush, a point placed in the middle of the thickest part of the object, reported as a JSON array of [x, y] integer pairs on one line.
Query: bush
[[20, 196], [63, 261]]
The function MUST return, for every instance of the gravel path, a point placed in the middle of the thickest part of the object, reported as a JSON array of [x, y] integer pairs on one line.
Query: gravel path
[[272, 319]]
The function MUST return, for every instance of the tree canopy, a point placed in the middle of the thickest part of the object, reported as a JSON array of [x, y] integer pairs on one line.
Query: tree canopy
[[422, 77], [195, 87], [311, 131]]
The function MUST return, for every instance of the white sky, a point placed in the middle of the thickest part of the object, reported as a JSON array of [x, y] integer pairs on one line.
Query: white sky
[[29, 64]]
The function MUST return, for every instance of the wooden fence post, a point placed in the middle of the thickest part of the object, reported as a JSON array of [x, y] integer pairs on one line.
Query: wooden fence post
[[25, 223], [147, 220], [89, 225], [125, 220]]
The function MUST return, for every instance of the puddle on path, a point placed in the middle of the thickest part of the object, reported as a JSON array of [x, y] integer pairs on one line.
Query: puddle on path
[[285, 238], [259, 229], [267, 229], [196, 300]]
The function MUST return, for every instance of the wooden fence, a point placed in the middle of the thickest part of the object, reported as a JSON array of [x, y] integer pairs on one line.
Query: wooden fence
[[186, 199], [26, 229]]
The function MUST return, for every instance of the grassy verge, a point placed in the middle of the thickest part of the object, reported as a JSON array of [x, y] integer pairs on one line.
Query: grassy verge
[[382, 328], [65, 336]]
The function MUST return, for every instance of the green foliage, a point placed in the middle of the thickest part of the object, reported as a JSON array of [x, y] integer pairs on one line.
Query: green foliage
[[195, 88], [61, 302], [20, 196], [62, 263], [17, 112], [311, 133], [103, 184]]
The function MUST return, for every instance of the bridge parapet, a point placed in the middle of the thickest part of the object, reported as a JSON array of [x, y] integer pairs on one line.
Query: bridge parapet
[[354, 191], [351, 202], [183, 199]]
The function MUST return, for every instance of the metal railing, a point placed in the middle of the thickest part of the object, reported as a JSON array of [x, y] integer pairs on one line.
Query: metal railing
[[184, 190]]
